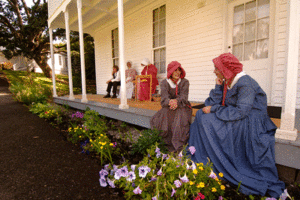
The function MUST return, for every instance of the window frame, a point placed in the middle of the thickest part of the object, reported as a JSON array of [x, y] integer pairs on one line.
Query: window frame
[[115, 50]]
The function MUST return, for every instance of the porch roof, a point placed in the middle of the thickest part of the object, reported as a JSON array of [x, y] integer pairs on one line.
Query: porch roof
[[287, 152]]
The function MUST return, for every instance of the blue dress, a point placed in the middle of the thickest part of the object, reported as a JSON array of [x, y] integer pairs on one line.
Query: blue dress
[[238, 138]]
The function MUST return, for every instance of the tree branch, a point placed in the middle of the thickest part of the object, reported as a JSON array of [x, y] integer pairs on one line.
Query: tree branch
[[26, 9]]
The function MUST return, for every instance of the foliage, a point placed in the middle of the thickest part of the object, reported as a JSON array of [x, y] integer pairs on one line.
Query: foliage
[[147, 139], [76, 133], [24, 31], [6, 66], [164, 176], [48, 111]]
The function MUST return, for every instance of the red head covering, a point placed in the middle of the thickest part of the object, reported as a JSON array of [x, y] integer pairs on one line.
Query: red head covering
[[172, 66], [229, 66]]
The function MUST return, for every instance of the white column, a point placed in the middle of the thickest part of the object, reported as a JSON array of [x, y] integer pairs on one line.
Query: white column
[[82, 60], [52, 62], [71, 95], [287, 127], [123, 104]]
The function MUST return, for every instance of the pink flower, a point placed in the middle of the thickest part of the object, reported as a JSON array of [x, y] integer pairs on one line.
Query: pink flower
[[137, 190], [173, 192], [192, 149], [177, 183]]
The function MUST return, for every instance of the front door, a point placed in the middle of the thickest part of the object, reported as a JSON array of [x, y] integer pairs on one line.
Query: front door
[[249, 39]]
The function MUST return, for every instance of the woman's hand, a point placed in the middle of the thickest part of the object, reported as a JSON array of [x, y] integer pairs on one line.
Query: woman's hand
[[206, 109], [173, 104], [108, 81], [219, 81]]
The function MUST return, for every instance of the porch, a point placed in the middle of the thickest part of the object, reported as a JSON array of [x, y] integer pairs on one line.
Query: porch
[[287, 152]]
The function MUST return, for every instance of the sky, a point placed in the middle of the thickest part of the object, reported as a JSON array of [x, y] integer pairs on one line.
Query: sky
[[29, 3]]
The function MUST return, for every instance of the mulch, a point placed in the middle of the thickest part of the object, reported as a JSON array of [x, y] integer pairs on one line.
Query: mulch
[[36, 162]]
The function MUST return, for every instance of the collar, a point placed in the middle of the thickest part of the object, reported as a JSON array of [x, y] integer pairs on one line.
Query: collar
[[236, 78], [172, 84]]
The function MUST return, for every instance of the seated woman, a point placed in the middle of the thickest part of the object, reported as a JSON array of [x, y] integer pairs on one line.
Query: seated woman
[[130, 77], [144, 86], [174, 118], [235, 132], [114, 82]]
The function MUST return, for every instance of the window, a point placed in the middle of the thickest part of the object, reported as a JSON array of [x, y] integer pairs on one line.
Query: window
[[251, 22], [115, 46], [159, 38]]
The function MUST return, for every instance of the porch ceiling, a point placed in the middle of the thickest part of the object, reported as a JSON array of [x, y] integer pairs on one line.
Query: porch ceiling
[[95, 13]]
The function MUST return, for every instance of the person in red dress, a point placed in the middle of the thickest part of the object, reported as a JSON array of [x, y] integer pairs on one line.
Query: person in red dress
[[144, 86]]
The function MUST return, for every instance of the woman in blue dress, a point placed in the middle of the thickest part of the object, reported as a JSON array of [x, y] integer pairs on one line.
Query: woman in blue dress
[[235, 132]]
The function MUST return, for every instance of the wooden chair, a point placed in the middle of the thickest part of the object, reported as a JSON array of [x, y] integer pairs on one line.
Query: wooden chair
[[138, 80]]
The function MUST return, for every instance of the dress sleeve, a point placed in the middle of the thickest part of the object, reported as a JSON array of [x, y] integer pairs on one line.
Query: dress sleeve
[[245, 100], [165, 96], [215, 96], [183, 95]]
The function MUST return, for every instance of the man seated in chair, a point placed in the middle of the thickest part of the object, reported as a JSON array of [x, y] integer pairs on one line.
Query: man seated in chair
[[114, 82]]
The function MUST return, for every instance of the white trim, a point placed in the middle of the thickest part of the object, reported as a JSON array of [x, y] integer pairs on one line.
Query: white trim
[[172, 84], [236, 78], [52, 61]]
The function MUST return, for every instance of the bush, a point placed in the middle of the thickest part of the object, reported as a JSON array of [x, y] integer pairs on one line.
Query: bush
[[6, 66], [163, 176], [147, 139]]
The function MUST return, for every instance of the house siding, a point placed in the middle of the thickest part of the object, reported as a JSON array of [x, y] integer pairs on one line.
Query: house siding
[[192, 41]]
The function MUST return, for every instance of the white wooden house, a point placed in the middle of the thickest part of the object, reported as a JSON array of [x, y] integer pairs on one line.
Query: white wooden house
[[263, 34]]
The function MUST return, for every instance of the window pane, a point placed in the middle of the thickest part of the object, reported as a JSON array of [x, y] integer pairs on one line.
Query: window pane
[[162, 67], [238, 17], [262, 48], [263, 28], [238, 34], [162, 13], [250, 11], [250, 31], [116, 52], [162, 26], [263, 9], [163, 54], [156, 56], [249, 51], [156, 28], [237, 50], [155, 14], [162, 39], [155, 41]]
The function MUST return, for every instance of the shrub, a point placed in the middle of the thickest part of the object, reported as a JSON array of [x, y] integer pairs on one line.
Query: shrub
[[6, 66], [147, 139], [47, 111], [164, 176]]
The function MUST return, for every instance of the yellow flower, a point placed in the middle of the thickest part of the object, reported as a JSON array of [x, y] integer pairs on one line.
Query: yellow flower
[[222, 187], [201, 168], [192, 183], [213, 189], [221, 174], [79, 136], [111, 144], [101, 147], [201, 185], [101, 134], [91, 140], [104, 143], [195, 171]]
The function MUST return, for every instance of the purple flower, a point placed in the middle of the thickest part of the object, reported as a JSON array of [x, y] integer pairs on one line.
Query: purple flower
[[220, 198], [184, 179], [192, 149], [106, 167], [133, 167], [212, 175], [157, 150], [118, 174], [143, 171], [102, 182], [115, 167], [177, 183], [137, 190], [159, 173], [133, 185], [271, 198], [103, 173], [173, 192], [284, 195], [180, 154], [154, 198], [111, 183], [158, 155], [114, 144], [131, 176], [165, 155], [177, 166], [124, 171], [153, 179]]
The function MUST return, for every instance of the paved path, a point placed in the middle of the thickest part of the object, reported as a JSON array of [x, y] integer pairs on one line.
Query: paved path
[[36, 162]]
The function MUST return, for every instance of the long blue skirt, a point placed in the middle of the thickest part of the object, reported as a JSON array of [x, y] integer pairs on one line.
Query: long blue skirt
[[243, 150]]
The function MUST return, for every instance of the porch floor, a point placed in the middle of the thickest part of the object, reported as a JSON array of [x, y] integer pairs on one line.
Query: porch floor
[[287, 152]]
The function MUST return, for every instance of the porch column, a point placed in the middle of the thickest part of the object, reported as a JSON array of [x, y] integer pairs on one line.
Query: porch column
[[71, 95], [52, 62], [123, 104], [287, 127], [81, 44]]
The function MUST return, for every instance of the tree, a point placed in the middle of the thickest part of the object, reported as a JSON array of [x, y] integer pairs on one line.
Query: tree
[[24, 31]]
